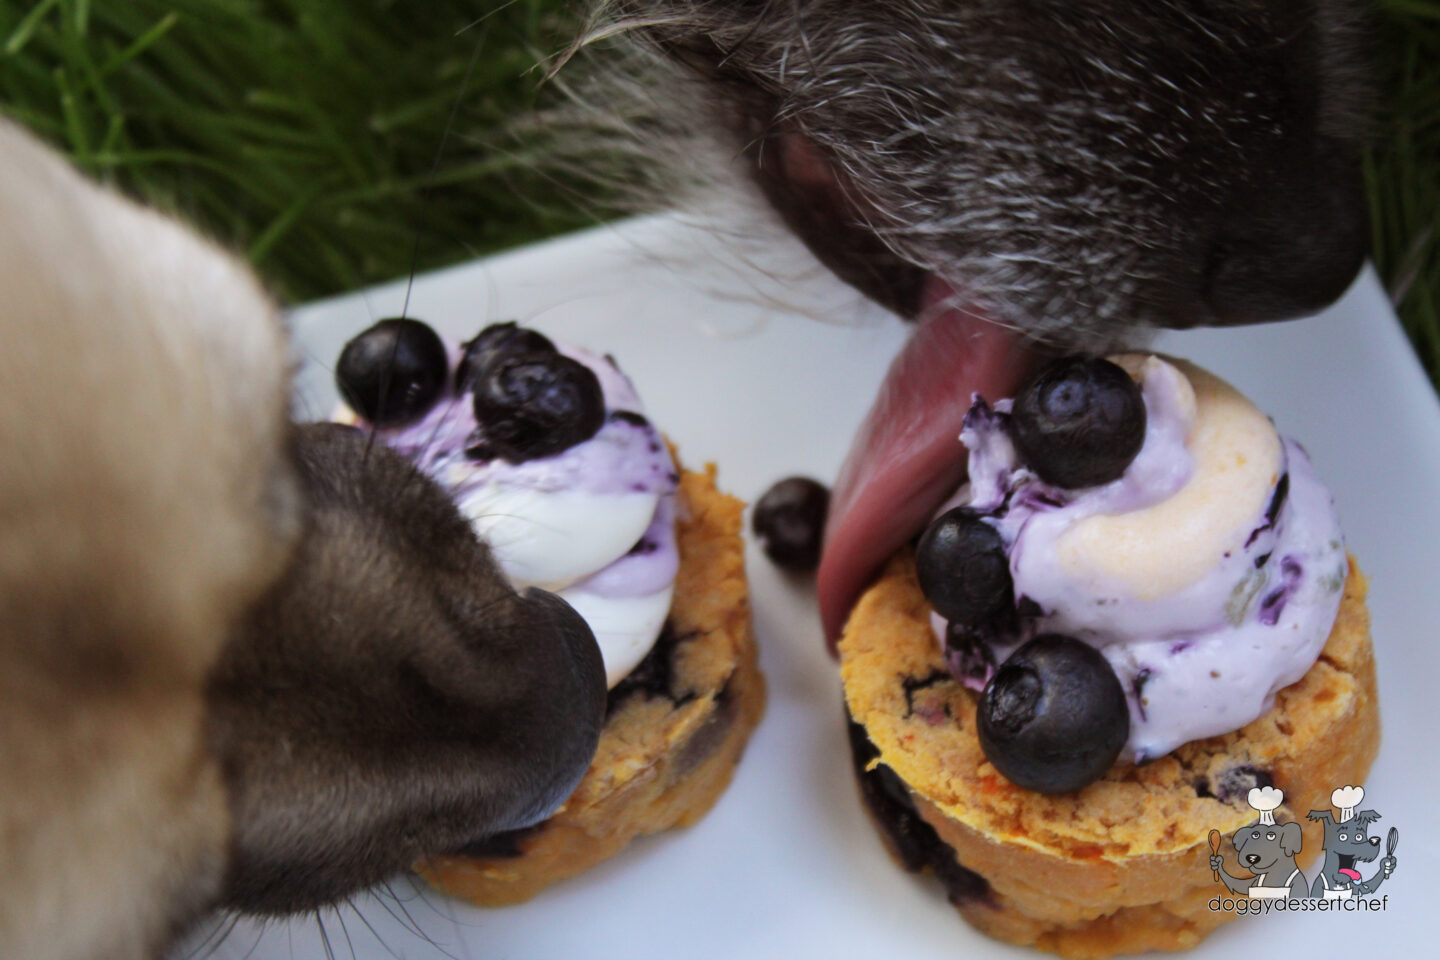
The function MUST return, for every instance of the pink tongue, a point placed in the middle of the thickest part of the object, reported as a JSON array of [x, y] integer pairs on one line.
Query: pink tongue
[[1352, 874], [907, 457]]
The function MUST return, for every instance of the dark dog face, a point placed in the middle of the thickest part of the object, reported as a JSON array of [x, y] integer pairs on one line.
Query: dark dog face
[[1072, 169], [1350, 841], [1071, 173], [1263, 845]]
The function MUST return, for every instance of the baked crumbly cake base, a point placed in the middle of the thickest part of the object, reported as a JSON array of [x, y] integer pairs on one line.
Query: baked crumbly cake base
[[675, 729], [1122, 866]]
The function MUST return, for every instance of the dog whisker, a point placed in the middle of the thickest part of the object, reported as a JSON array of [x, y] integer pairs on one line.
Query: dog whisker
[[435, 166], [409, 922], [340, 916], [223, 927], [324, 936], [476, 22], [406, 923], [371, 927], [444, 907], [415, 926], [260, 929]]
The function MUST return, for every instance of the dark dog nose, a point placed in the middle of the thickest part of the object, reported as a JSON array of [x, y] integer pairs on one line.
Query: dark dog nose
[[1289, 243], [1374, 841], [1252, 858]]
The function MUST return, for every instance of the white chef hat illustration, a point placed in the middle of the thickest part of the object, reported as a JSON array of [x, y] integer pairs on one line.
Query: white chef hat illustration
[[1265, 800], [1346, 799]]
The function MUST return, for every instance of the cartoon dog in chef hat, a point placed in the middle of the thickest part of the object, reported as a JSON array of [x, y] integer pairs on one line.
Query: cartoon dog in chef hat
[[1268, 850], [1347, 842]]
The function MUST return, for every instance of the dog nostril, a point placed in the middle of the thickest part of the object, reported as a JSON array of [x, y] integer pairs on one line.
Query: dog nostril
[[1291, 249]]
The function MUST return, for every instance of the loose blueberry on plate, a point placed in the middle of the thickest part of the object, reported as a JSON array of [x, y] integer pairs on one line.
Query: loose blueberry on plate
[[963, 570], [537, 404], [1080, 423], [496, 342], [789, 521], [393, 372], [1054, 716]]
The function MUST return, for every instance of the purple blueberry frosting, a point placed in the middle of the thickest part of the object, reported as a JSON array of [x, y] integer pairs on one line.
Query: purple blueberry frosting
[[1209, 574], [627, 455]]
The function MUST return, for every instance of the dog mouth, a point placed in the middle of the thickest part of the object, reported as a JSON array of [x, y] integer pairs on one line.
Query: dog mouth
[[1346, 866], [1253, 862], [1348, 860], [905, 458]]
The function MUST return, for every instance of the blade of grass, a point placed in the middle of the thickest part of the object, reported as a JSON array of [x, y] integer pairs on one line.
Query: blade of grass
[[22, 33], [141, 43]]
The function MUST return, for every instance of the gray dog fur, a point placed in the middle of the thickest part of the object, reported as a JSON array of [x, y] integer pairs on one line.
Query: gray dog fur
[[1076, 167]]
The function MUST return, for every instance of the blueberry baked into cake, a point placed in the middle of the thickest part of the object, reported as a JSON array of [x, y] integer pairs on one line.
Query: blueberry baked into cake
[[547, 450], [1138, 608]]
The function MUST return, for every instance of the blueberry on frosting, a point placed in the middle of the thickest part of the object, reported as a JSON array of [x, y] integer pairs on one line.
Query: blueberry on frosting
[[497, 342], [538, 404], [1080, 423], [392, 373]]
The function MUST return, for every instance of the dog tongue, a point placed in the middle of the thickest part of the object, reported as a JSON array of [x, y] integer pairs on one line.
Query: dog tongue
[[1352, 874], [907, 457]]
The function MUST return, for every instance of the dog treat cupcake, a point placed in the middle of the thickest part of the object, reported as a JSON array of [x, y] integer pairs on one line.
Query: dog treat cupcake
[[547, 449], [1138, 610]]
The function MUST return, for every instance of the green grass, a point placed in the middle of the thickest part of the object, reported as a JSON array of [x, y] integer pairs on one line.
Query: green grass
[[305, 132], [302, 132], [1403, 172]]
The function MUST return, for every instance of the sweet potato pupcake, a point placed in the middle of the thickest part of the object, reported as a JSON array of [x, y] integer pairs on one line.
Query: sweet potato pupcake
[[1138, 609], [548, 451]]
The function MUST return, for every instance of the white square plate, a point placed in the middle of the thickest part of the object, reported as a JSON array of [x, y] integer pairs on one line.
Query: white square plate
[[736, 368]]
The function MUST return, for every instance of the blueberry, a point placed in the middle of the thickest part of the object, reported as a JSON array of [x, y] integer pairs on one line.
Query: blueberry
[[1054, 716], [1234, 783], [789, 520], [495, 342], [537, 404], [393, 372], [1079, 423], [963, 569]]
